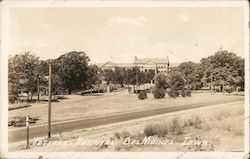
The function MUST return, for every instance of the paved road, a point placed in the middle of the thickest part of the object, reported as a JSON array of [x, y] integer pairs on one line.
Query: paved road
[[19, 134]]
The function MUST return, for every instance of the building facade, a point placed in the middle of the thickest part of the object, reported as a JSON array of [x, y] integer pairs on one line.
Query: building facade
[[152, 64], [144, 64]]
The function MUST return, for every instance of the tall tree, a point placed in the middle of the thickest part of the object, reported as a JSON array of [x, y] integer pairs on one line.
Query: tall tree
[[93, 76], [193, 74], [225, 68], [72, 69], [23, 73], [108, 77], [119, 75]]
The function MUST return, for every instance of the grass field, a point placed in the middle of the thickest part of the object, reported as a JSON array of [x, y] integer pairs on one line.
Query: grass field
[[77, 106], [220, 126]]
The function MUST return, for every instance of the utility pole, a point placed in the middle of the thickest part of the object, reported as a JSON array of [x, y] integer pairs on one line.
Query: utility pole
[[168, 64], [49, 106], [137, 80], [137, 83], [211, 82], [38, 89]]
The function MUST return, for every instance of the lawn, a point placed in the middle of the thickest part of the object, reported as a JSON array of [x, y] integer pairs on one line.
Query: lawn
[[77, 106], [220, 126]]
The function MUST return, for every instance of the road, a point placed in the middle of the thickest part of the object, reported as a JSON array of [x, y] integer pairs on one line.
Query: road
[[19, 134]]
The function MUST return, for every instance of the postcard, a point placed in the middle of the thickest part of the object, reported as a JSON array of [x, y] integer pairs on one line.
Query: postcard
[[124, 79]]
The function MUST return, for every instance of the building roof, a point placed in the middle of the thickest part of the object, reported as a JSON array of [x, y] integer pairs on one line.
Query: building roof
[[152, 60], [99, 64], [125, 64], [138, 61], [112, 64]]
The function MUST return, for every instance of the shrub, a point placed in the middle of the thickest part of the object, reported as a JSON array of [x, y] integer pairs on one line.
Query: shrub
[[194, 121], [173, 93], [117, 135], [12, 99], [145, 93], [175, 127], [61, 97], [188, 92], [229, 90], [123, 134], [197, 122], [158, 129], [161, 80], [142, 95], [183, 93], [149, 130], [161, 129], [159, 93], [103, 89]]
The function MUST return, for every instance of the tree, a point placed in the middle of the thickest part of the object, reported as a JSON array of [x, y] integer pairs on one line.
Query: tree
[[108, 77], [130, 77], [225, 68], [161, 84], [193, 74], [150, 75], [119, 76], [135, 76], [162, 81], [177, 84], [56, 84], [142, 77], [72, 68], [93, 76], [23, 73]]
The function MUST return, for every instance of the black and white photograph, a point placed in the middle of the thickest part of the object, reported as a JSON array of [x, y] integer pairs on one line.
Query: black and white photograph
[[104, 77]]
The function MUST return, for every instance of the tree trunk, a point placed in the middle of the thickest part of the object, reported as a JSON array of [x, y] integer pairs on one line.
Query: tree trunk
[[221, 87]]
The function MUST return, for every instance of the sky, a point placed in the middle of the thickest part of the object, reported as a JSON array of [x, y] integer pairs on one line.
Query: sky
[[120, 34]]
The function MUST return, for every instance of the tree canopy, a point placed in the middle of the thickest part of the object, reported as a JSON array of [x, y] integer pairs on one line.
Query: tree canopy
[[193, 74], [71, 72], [225, 68], [23, 73]]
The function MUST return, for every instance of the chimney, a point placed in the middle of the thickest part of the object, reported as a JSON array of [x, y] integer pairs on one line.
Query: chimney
[[135, 58]]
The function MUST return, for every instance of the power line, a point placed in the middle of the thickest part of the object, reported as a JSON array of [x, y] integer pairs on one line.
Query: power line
[[179, 57]]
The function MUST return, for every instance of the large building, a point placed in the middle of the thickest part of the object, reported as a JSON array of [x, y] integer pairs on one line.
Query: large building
[[112, 65], [152, 64], [144, 64]]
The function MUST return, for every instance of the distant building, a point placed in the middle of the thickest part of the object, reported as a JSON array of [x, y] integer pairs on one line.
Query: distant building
[[152, 64], [144, 64], [112, 65]]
